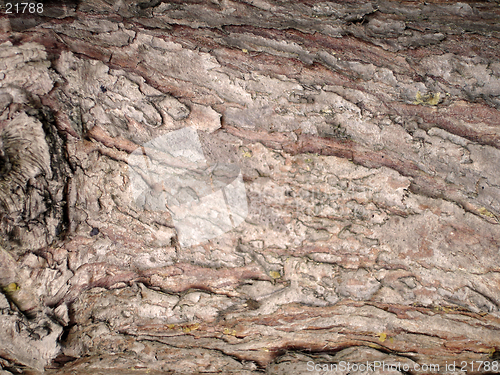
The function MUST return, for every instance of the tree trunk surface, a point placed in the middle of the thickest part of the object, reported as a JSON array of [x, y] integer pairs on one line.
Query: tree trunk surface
[[253, 186]]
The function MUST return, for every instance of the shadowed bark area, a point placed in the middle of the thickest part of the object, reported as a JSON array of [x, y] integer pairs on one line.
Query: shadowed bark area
[[246, 187]]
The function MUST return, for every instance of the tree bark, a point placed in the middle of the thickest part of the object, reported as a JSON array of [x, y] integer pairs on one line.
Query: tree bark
[[249, 187]]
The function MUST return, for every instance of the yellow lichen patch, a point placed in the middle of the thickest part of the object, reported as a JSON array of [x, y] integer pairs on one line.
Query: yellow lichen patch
[[493, 352], [489, 351], [382, 337], [171, 326], [244, 50], [485, 212], [12, 287], [230, 332], [247, 153], [429, 98], [275, 274], [190, 327]]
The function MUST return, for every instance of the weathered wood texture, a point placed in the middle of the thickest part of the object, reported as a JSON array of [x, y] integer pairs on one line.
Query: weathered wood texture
[[368, 138]]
